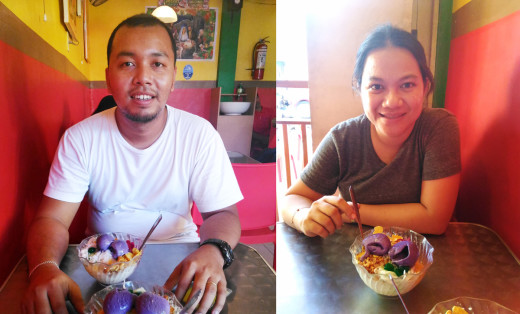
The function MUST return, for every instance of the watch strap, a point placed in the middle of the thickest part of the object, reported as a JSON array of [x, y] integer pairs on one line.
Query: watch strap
[[225, 250]]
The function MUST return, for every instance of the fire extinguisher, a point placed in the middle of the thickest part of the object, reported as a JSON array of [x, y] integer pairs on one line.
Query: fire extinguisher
[[259, 55]]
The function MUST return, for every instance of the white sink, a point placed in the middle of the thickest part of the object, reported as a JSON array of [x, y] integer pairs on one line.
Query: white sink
[[234, 107]]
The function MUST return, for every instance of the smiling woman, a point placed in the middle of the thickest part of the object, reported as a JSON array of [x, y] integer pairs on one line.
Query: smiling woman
[[392, 93], [398, 155]]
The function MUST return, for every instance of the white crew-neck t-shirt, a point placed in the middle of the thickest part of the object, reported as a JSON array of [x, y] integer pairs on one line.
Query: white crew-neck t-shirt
[[127, 187]]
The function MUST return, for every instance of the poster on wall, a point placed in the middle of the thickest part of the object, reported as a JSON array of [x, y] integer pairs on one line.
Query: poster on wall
[[195, 30], [194, 4]]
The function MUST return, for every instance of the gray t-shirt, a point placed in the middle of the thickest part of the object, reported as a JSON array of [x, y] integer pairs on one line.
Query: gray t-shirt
[[346, 157]]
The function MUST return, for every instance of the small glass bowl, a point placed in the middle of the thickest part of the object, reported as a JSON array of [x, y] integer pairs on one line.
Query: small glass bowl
[[113, 273], [381, 283], [95, 305], [471, 305]]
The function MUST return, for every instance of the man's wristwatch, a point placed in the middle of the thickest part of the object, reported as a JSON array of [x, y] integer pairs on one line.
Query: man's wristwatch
[[225, 249]]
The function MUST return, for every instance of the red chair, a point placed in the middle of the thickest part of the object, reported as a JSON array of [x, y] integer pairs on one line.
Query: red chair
[[257, 211]]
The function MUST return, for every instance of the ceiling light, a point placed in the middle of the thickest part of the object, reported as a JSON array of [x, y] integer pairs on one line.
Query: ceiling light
[[165, 13]]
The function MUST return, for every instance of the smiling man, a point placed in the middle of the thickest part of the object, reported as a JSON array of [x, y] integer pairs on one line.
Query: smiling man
[[136, 161]]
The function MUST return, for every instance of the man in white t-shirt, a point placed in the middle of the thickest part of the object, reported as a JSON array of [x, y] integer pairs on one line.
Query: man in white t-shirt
[[134, 162]]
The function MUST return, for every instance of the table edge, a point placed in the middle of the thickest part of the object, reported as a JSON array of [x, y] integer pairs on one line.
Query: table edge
[[465, 223], [265, 261], [493, 231], [11, 273]]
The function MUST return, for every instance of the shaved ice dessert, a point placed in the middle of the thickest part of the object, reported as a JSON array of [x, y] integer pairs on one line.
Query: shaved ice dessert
[[110, 257], [135, 298], [395, 252], [384, 254], [121, 301]]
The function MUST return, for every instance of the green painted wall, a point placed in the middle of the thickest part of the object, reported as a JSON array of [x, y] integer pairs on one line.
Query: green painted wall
[[443, 52], [227, 57]]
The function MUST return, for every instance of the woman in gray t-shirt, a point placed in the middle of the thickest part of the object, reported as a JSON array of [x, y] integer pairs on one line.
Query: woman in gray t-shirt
[[402, 159]]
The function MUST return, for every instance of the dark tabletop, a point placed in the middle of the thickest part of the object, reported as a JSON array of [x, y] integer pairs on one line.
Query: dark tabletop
[[251, 280], [250, 277], [316, 275]]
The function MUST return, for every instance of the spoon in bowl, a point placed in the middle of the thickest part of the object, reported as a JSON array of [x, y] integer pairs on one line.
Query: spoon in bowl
[[398, 293], [151, 230]]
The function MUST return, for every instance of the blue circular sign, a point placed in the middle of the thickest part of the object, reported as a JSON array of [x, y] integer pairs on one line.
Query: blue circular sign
[[187, 72]]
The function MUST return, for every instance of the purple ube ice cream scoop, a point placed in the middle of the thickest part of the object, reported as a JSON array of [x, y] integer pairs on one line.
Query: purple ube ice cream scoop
[[376, 244], [404, 253], [104, 241], [118, 248], [118, 301], [151, 303]]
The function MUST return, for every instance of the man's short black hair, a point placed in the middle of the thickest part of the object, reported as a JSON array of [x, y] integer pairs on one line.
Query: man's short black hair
[[143, 20]]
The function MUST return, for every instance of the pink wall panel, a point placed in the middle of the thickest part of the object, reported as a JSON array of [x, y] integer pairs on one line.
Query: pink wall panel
[[194, 100], [38, 103], [483, 90]]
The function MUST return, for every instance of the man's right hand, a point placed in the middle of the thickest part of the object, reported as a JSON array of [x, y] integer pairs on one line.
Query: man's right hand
[[48, 289]]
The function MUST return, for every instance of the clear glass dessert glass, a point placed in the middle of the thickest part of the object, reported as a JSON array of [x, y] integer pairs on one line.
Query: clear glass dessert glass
[[115, 272], [95, 305], [471, 305], [381, 283]]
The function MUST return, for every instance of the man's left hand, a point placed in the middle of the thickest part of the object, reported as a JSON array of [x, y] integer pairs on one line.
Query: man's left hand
[[205, 268]]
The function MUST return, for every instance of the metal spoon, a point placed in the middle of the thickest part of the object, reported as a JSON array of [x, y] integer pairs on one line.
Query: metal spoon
[[398, 293], [190, 303], [150, 232], [356, 210]]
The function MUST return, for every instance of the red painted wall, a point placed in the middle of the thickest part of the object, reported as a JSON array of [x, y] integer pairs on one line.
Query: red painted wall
[[37, 104], [267, 97], [483, 90]]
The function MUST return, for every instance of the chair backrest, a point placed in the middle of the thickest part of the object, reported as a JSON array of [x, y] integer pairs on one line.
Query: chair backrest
[[258, 208], [258, 185]]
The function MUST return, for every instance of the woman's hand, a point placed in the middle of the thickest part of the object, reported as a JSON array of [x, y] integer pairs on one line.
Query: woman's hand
[[324, 217]]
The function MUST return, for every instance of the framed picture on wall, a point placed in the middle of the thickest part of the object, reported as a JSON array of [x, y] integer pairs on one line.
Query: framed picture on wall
[[70, 11], [195, 32]]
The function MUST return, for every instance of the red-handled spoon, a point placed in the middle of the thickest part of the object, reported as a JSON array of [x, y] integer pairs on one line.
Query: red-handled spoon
[[356, 210]]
